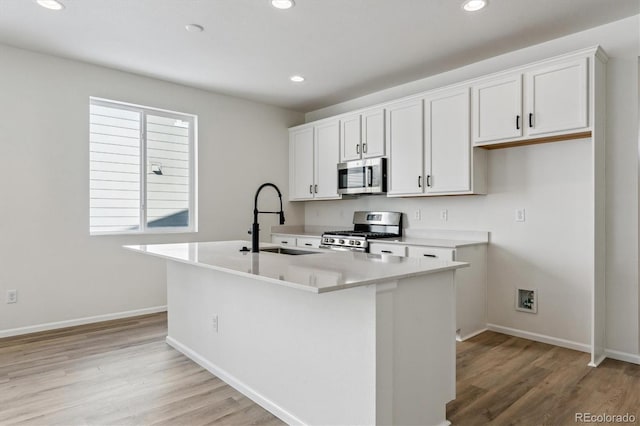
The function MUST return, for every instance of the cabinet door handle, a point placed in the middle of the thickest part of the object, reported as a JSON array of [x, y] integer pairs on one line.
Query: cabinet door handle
[[419, 181], [517, 122], [364, 147], [429, 255], [308, 244], [315, 188], [284, 242], [310, 189], [530, 119], [429, 180], [357, 148], [386, 251]]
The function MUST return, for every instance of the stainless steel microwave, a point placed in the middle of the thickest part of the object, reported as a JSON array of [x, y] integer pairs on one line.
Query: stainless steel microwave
[[363, 176]]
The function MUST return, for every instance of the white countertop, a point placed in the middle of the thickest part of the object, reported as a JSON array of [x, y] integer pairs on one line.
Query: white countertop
[[320, 272]]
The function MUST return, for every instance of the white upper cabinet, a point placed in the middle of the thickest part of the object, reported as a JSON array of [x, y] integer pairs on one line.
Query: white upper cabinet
[[405, 147], [447, 142], [362, 135], [555, 102], [373, 133], [301, 164], [327, 141], [350, 138], [557, 98], [313, 160], [497, 109]]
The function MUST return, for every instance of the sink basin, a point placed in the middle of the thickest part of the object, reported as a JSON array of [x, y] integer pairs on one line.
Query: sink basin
[[282, 250]]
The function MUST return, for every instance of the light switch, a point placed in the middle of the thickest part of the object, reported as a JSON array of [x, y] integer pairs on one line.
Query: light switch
[[520, 215]]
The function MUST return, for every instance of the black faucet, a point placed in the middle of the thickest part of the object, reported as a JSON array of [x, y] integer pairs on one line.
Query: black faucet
[[255, 228]]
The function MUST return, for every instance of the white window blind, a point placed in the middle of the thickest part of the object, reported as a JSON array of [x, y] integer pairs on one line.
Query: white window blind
[[141, 169]]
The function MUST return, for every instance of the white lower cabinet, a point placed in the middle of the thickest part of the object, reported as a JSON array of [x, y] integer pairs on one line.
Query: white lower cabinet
[[431, 252], [393, 249], [471, 282], [309, 242], [283, 241]]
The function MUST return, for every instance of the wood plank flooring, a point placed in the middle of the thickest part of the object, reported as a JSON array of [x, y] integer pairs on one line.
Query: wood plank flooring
[[504, 380], [114, 373], [123, 373]]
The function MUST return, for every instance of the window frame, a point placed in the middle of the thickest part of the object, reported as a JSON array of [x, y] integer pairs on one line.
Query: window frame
[[192, 119]]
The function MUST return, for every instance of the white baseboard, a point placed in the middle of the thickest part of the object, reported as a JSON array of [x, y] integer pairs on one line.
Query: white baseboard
[[540, 338], [79, 321], [622, 356], [232, 381], [470, 335]]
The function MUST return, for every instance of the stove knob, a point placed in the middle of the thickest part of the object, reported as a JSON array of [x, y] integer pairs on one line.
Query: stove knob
[[341, 242], [358, 243], [351, 242], [331, 240]]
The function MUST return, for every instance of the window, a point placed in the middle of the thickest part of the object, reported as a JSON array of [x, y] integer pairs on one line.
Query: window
[[142, 171]]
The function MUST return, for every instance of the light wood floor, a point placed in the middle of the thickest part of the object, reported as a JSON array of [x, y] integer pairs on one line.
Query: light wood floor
[[123, 373]]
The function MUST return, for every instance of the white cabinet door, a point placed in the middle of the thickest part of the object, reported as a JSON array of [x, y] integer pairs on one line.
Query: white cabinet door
[[327, 146], [373, 133], [497, 109], [447, 143], [557, 98], [301, 164], [405, 143], [350, 138], [439, 253], [393, 249], [310, 242], [283, 240]]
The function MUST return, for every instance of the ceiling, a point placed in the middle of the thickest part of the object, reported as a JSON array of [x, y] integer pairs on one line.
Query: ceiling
[[344, 48]]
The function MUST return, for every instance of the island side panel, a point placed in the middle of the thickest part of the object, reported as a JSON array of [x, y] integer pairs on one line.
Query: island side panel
[[416, 328], [308, 358]]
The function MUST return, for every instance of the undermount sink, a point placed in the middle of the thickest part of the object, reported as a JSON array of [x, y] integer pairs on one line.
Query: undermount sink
[[282, 250]]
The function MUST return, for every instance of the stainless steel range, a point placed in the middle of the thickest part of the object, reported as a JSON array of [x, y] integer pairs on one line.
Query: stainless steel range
[[366, 226]]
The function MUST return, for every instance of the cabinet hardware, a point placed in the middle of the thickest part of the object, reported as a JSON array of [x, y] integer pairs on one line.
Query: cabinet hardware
[[364, 147], [419, 181], [315, 188], [429, 180], [310, 189], [358, 148], [530, 119], [284, 242], [517, 122], [386, 251], [308, 244], [429, 255]]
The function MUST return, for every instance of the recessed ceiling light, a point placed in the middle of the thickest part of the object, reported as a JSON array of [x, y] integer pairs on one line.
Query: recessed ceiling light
[[51, 4], [296, 78], [282, 4], [474, 5], [194, 28]]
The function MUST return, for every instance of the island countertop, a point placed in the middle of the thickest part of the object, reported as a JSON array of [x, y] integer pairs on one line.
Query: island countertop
[[320, 272]]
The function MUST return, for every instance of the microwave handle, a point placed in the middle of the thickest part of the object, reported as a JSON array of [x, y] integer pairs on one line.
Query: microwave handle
[[369, 176]]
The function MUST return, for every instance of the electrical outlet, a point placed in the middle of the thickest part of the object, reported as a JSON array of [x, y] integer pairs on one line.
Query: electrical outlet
[[12, 296], [519, 215], [417, 215], [444, 215], [214, 323]]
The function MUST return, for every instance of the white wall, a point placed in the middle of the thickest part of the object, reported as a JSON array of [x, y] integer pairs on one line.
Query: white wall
[[551, 182], [46, 253]]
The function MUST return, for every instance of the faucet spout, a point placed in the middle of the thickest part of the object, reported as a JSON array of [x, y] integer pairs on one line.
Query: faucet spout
[[255, 227]]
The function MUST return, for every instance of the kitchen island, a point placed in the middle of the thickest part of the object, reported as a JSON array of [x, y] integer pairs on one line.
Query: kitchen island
[[321, 338]]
